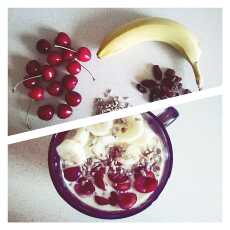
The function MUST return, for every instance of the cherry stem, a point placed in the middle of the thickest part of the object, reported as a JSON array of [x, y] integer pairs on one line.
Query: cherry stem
[[62, 47], [88, 71], [27, 115], [20, 82], [65, 48]]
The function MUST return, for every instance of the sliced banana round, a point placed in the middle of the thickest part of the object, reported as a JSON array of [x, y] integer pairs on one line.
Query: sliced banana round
[[101, 129], [72, 151], [148, 139], [130, 156], [101, 146], [81, 136], [130, 129]]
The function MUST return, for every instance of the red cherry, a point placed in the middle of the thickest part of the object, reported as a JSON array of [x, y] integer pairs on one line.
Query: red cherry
[[72, 173], [73, 98], [63, 39], [99, 180], [142, 171], [124, 186], [68, 55], [126, 200], [54, 88], [83, 54], [33, 68], [74, 67], [117, 177], [69, 82], [48, 72], [145, 184], [64, 111], [54, 58], [45, 112], [99, 170], [30, 83], [43, 46], [36, 93], [101, 200], [113, 198], [84, 187]]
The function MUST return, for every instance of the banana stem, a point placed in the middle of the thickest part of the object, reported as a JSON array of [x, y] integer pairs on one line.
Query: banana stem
[[199, 79]]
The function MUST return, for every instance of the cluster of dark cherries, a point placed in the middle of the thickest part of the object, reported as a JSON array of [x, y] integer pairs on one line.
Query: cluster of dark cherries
[[163, 85], [37, 73]]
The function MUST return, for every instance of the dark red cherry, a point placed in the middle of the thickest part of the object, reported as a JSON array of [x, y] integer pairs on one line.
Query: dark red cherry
[[64, 111], [84, 187], [83, 54], [48, 72], [33, 68], [68, 55], [54, 58], [43, 46], [145, 184], [36, 93], [126, 200], [69, 82], [124, 186], [63, 39], [73, 98], [30, 83], [45, 112], [74, 67], [113, 198], [54, 88], [101, 200], [72, 173]]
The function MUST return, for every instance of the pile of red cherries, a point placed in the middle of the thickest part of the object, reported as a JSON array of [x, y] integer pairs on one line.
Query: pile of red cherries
[[37, 74]]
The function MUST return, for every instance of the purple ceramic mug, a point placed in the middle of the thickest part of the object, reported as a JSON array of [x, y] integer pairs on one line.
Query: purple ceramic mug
[[158, 124]]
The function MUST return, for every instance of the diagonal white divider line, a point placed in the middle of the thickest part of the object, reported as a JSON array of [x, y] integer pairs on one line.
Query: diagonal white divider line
[[113, 115]]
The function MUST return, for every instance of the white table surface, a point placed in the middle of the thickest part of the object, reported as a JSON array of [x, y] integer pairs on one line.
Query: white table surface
[[193, 192], [87, 27]]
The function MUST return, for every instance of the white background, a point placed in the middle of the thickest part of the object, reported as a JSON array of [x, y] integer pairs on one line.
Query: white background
[[224, 89], [87, 27], [193, 193]]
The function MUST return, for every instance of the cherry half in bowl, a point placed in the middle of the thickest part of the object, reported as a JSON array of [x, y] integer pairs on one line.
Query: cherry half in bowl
[[158, 124]]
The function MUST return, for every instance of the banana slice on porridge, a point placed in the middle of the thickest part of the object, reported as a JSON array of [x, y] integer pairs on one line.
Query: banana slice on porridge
[[128, 129], [72, 151]]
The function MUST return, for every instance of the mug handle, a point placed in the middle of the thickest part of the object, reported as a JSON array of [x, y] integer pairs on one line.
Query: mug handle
[[168, 116]]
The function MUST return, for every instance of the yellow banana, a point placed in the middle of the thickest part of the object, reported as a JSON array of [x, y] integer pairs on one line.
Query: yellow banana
[[155, 29]]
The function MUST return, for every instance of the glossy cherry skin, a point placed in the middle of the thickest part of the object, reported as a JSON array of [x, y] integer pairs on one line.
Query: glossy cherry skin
[[83, 54], [30, 83], [68, 55], [69, 82], [33, 68], [36, 93], [54, 58], [63, 39], [73, 98], [45, 112], [74, 67], [43, 46], [64, 111], [48, 72], [54, 88]]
